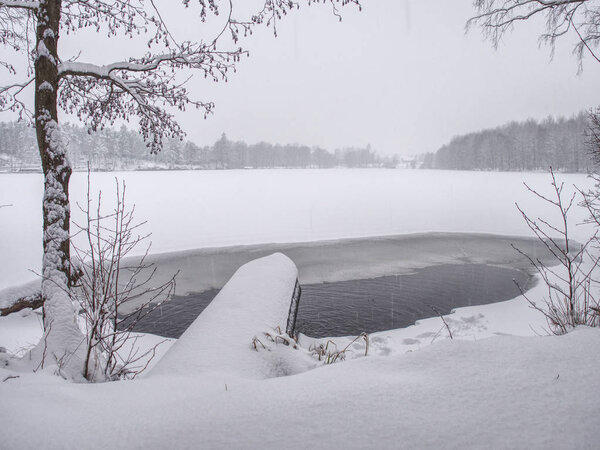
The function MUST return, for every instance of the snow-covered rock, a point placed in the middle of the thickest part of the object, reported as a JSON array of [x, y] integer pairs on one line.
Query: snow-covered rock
[[220, 341]]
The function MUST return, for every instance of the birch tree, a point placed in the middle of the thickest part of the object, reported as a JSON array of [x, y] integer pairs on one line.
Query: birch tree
[[143, 87]]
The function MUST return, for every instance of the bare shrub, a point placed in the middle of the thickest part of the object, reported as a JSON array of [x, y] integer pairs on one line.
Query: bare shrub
[[106, 281], [278, 336], [436, 310], [329, 352], [569, 301]]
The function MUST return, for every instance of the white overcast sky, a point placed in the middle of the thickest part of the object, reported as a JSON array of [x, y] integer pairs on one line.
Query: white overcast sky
[[401, 75]]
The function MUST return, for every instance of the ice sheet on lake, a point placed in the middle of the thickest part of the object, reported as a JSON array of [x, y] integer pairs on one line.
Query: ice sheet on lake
[[345, 259], [199, 209]]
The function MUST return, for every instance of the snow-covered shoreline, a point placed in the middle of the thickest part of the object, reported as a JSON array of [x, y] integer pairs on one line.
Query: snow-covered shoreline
[[336, 260], [503, 392], [330, 260], [497, 384]]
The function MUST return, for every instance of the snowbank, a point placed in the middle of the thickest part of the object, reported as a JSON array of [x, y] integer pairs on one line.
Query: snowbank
[[256, 300], [502, 392], [21, 331]]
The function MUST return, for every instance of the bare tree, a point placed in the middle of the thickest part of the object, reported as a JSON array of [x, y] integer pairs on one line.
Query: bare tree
[[580, 18], [143, 86], [561, 17], [593, 135]]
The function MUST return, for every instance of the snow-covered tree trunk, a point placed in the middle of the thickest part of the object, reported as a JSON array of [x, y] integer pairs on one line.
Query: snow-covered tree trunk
[[62, 338]]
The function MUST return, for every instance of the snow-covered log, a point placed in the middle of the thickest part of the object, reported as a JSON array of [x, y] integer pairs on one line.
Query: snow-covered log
[[257, 299], [10, 297]]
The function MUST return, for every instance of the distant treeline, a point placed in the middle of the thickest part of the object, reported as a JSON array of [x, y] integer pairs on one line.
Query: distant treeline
[[125, 150], [529, 145]]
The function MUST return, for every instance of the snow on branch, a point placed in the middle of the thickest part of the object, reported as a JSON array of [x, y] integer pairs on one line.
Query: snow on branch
[[146, 87], [141, 87], [31, 5], [126, 17], [199, 56]]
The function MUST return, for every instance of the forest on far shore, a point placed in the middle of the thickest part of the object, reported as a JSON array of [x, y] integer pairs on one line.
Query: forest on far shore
[[124, 149], [519, 146]]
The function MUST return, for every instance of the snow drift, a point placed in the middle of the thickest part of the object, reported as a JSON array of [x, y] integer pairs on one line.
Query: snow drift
[[502, 392]]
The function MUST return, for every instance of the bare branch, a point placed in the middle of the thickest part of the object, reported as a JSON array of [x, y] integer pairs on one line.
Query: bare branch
[[496, 17], [569, 300], [29, 5], [10, 101]]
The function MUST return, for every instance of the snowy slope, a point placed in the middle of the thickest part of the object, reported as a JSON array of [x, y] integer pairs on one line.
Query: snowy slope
[[503, 392]]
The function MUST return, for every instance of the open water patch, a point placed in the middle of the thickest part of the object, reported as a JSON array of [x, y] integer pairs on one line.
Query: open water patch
[[384, 303], [367, 305]]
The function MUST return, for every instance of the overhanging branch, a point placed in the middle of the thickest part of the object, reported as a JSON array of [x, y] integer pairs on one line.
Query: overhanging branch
[[30, 5]]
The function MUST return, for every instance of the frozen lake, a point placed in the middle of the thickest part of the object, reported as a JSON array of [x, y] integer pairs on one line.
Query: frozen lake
[[198, 209]]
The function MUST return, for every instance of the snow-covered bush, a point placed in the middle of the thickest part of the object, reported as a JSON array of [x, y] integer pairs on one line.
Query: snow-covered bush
[[106, 281]]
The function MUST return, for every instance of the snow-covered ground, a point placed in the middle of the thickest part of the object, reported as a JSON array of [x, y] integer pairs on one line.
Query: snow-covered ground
[[500, 383], [501, 393], [415, 389], [198, 209]]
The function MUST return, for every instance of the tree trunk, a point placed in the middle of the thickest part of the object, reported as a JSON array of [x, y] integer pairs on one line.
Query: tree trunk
[[62, 337]]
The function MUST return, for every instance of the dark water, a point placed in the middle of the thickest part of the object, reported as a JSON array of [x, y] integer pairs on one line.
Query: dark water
[[384, 303], [172, 318], [351, 307]]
